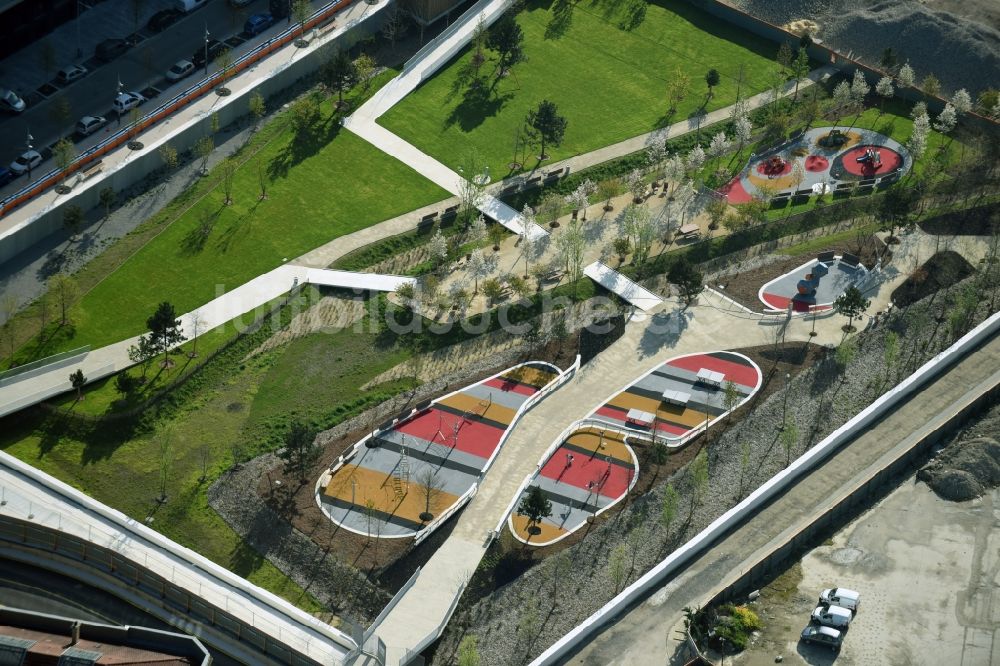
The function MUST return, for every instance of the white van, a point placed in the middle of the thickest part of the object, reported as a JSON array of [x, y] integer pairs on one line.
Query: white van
[[188, 5], [841, 596], [832, 616]]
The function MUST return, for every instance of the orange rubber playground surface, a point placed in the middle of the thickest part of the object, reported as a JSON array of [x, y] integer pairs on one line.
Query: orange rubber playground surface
[[594, 466], [415, 469]]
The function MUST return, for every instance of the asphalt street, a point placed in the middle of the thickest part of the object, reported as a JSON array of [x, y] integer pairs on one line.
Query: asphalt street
[[141, 68]]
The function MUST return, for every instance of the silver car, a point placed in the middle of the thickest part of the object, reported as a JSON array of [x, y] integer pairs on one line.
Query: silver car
[[180, 69]]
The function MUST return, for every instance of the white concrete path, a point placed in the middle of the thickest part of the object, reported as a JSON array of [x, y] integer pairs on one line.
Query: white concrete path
[[427, 61], [263, 289]]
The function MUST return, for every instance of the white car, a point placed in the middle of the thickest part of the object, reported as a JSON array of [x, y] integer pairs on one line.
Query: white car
[[71, 73], [832, 616], [90, 124], [28, 159], [841, 596], [9, 101], [127, 101], [181, 69]]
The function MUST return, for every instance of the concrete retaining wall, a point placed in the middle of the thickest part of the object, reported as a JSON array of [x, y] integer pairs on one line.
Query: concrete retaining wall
[[265, 79], [777, 484]]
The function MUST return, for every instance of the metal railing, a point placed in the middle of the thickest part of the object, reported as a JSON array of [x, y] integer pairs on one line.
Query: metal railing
[[8, 375]]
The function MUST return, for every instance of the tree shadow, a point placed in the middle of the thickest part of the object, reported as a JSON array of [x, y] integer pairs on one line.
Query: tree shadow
[[244, 559], [635, 14], [663, 331], [195, 239], [562, 19], [237, 229], [307, 142], [476, 106]]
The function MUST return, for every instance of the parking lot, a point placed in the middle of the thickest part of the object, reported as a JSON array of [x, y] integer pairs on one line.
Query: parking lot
[[927, 571]]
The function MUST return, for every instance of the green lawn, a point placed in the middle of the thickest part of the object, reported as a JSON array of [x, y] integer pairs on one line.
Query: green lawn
[[230, 404], [610, 83], [320, 189]]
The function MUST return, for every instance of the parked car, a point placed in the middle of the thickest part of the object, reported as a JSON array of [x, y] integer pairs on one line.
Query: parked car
[[189, 5], [71, 73], [6, 175], [110, 49], [90, 124], [9, 101], [163, 19], [181, 69], [832, 616], [215, 47], [28, 159], [127, 101], [820, 635], [257, 24], [841, 596]]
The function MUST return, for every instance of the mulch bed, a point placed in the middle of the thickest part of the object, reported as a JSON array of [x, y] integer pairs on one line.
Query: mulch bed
[[388, 562], [743, 287]]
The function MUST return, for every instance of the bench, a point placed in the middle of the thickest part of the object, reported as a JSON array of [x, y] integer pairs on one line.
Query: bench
[[825, 257], [800, 199], [533, 181], [849, 259], [91, 169]]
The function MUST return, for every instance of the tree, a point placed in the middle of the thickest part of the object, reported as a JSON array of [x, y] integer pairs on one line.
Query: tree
[[678, 88], [789, 438], [731, 397], [895, 209], [885, 90], [507, 39], [851, 304], [306, 115], [962, 101], [430, 490], [107, 197], [549, 124], [905, 77], [72, 219], [712, 79], [126, 385], [165, 329], [526, 240], [479, 267], [142, 353], [607, 190], [472, 186], [635, 181], [550, 208], [364, 70], [261, 179], [197, 328], [165, 463], [257, 108], [300, 451], [392, 24], [468, 651], [699, 478], [668, 508], [228, 173], [617, 567], [78, 381], [477, 229], [571, 244], [203, 148], [492, 290], [931, 85], [339, 74], [688, 279], [784, 58], [947, 119], [224, 61], [621, 245], [639, 225], [497, 235], [438, 247], [535, 506], [841, 98], [301, 10], [719, 145], [64, 153], [917, 143], [407, 294], [800, 70], [716, 210], [65, 291]]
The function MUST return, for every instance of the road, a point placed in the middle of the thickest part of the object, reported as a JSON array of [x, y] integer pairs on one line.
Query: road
[[646, 633], [141, 68]]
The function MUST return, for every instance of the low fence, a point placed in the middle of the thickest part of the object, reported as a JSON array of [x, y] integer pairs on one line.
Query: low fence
[[45, 364], [411, 581], [790, 475]]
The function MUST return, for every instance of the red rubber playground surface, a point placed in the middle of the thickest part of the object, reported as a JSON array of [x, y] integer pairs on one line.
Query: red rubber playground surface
[[891, 160], [817, 164]]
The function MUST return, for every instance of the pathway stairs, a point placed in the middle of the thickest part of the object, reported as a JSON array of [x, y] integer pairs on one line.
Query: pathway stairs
[[618, 284], [41, 384]]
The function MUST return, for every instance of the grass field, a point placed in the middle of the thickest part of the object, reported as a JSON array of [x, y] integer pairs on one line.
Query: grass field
[[608, 82], [329, 186], [230, 405]]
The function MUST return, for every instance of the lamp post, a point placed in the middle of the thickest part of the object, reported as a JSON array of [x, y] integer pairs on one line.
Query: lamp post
[[118, 113], [206, 48], [30, 146]]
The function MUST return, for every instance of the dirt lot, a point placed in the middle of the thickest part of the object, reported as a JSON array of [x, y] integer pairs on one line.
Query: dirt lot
[[928, 572]]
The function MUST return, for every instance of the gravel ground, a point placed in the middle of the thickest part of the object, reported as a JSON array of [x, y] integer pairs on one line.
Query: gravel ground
[[958, 41], [516, 622]]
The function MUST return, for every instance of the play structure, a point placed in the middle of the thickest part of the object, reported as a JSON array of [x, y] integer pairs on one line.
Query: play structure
[[828, 159], [413, 471], [816, 284], [592, 465]]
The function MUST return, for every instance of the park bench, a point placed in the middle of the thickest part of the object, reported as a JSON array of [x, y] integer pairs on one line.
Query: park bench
[[849, 259], [825, 257], [92, 169]]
